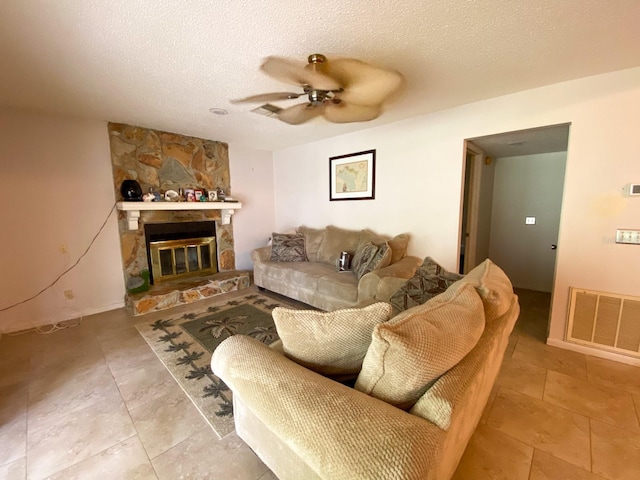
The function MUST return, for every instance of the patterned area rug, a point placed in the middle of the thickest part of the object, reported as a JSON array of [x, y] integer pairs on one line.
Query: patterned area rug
[[184, 342]]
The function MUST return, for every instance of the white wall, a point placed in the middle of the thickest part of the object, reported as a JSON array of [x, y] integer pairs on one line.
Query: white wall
[[527, 186], [252, 184], [57, 188], [419, 170]]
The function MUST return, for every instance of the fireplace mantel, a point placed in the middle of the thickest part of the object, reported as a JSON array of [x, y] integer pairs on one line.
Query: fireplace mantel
[[133, 209]]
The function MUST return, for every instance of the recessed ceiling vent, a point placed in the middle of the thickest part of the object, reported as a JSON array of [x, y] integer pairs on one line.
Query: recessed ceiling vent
[[268, 110]]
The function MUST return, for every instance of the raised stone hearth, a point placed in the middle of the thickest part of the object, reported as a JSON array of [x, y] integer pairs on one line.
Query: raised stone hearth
[[169, 295]]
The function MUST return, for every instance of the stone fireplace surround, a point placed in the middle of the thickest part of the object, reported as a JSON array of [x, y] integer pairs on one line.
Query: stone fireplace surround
[[164, 161]]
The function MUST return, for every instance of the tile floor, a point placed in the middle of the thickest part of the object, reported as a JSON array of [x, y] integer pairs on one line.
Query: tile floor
[[94, 401]]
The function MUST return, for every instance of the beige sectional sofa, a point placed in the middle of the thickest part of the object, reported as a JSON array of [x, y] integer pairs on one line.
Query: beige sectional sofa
[[317, 282], [304, 425]]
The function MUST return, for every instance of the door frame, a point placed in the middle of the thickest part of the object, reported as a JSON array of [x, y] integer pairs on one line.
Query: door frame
[[470, 206]]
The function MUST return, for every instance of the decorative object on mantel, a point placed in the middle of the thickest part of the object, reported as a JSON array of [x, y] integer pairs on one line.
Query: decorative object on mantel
[[131, 191], [171, 196], [353, 176]]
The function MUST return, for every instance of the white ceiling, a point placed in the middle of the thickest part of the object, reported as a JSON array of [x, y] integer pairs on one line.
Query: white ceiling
[[163, 64]]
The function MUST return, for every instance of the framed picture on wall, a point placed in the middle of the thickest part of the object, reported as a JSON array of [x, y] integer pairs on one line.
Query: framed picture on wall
[[353, 176]]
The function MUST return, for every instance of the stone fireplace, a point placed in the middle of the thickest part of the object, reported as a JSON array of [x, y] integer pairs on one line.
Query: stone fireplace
[[168, 161]]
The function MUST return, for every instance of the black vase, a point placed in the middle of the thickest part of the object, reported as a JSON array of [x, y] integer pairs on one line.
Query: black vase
[[131, 191]]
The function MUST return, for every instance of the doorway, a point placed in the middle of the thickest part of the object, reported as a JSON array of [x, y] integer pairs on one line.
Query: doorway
[[512, 202]]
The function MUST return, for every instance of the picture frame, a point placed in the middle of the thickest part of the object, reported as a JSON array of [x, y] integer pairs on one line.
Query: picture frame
[[353, 176], [213, 196], [197, 194], [189, 195]]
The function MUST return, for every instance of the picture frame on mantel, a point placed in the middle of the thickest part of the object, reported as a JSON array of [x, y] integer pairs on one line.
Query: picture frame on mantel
[[353, 176]]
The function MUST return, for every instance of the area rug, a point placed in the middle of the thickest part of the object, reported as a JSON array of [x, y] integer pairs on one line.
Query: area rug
[[184, 343]]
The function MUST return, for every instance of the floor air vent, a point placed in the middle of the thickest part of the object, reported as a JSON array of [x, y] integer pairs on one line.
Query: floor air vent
[[605, 320]]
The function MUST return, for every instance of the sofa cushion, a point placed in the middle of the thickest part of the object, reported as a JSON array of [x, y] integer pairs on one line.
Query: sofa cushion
[[330, 343], [312, 240], [288, 248], [337, 240], [429, 280], [494, 287], [411, 351], [341, 286]]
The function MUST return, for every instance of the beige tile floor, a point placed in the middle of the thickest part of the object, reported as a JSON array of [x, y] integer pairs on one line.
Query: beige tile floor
[[94, 401]]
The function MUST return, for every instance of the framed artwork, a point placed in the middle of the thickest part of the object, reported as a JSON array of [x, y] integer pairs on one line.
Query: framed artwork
[[189, 195], [197, 194], [353, 176], [213, 196]]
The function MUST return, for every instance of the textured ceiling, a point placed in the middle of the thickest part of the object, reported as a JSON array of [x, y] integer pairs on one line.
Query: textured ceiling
[[163, 64]]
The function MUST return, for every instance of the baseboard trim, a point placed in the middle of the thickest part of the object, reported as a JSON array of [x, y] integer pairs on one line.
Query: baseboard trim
[[593, 352]]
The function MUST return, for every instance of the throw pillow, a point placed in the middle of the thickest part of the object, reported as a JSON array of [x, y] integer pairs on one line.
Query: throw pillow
[[330, 343], [408, 353], [429, 280], [494, 287], [364, 262], [288, 248], [398, 243], [362, 258]]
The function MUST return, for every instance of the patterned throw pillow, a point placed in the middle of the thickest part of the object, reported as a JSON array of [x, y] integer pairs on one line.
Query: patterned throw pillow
[[429, 280], [330, 343], [288, 248], [363, 256]]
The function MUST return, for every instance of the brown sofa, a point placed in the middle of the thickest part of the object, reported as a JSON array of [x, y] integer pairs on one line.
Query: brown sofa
[[306, 426], [317, 282]]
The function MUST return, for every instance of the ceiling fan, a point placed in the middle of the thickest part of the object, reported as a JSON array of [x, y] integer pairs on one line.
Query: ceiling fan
[[341, 90]]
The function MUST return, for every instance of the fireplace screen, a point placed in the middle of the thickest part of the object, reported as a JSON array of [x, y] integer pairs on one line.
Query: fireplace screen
[[173, 259]]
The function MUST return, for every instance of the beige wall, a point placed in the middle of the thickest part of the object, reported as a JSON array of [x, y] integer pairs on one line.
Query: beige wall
[[419, 171], [56, 189]]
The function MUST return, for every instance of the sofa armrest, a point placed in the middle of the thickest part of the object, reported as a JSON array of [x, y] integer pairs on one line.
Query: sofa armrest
[[340, 433], [380, 284], [262, 254]]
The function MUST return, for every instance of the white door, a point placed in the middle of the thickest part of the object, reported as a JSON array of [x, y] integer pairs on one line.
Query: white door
[[525, 217]]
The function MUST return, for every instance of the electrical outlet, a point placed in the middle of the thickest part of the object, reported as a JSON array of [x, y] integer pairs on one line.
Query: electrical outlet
[[68, 294], [63, 248], [529, 220]]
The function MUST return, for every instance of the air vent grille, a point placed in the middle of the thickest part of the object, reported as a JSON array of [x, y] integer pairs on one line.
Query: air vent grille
[[605, 320], [267, 109]]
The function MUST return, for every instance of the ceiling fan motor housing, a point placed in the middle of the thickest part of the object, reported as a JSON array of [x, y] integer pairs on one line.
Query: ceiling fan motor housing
[[316, 58]]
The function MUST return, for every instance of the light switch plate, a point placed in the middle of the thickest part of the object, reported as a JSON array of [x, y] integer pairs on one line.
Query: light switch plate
[[628, 236], [529, 220]]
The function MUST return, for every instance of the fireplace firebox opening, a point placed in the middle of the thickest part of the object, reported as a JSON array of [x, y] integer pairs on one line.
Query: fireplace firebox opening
[[180, 249]]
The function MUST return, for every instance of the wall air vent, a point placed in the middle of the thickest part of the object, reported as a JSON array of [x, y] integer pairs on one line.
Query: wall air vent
[[606, 321], [267, 109]]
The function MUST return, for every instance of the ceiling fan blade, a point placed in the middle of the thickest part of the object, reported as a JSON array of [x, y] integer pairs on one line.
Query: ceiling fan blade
[[268, 97], [364, 84], [300, 113], [295, 73], [347, 112]]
